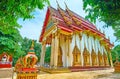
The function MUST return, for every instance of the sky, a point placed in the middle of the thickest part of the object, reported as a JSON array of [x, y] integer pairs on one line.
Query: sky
[[32, 28]]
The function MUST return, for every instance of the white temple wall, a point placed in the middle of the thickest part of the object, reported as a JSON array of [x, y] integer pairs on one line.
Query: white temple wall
[[78, 41], [86, 41], [90, 44], [82, 45], [96, 45], [72, 45], [93, 44], [99, 47]]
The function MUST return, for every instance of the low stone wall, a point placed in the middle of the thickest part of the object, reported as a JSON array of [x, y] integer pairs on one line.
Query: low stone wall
[[6, 73]]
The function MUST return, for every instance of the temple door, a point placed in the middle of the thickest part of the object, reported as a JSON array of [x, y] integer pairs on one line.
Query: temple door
[[60, 63], [94, 60], [76, 56], [86, 57]]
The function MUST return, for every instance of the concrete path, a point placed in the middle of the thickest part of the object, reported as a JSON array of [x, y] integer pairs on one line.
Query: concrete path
[[99, 74]]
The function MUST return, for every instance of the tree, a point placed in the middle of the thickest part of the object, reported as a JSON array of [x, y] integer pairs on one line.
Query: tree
[[107, 11], [10, 42], [116, 53], [10, 12]]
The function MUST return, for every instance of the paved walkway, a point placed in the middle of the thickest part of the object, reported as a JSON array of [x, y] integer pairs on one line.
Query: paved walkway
[[112, 76], [99, 74], [77, 75]]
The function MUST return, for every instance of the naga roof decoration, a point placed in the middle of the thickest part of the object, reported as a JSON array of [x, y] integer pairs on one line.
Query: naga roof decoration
[[69, 21]]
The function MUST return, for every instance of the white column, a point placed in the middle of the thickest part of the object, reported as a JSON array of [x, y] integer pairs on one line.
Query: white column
[[56, 50], [90, 60], [97, 49], [42, 53], [70, 53], [82, 46], [66, 51], [87, 38], [97, 60], [102, 56], [111, 63], [90, 52], [52, 51], [69, 57]]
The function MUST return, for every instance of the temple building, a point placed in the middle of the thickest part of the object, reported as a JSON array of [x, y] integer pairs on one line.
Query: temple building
[[74, 41]]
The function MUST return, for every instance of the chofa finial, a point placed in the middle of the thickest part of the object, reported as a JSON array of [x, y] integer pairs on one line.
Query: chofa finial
[[66, 5], [57, 4]]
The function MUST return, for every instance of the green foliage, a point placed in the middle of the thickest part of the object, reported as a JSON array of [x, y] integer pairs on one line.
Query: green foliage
[[12, 10], [107, 11], [47, 54], [116, 53], [10, 42]]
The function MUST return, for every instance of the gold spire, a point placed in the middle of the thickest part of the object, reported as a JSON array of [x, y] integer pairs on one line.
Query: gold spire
[[32, 45]]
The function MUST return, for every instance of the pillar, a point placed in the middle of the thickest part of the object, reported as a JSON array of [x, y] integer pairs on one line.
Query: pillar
[[103, 62], [69, 57], [52, 50], [97, 59], [82, 59], [90, 59], [107, 60], [42, 53], [56, 49], [66, 51], [111, 63], [70, 52]]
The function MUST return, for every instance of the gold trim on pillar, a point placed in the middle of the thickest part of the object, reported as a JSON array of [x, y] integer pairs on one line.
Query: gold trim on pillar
[[100, 59], [76, 56], [86, 56], [106, 63], [60, 63], [94, 58]]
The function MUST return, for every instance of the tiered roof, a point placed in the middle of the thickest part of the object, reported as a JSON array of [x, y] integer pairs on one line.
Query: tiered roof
[[69, 21]]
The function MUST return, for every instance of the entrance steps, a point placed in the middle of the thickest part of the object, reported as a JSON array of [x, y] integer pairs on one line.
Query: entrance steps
[[87, 68], [55, 70]]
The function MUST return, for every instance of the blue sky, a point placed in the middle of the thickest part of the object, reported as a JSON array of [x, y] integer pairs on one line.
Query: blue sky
[[32, 28]]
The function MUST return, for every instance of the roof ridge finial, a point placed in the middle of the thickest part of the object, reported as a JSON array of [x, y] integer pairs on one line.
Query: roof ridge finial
[[66, 5], [57, 4], [99, 29], [108, 37], [104, 32]]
